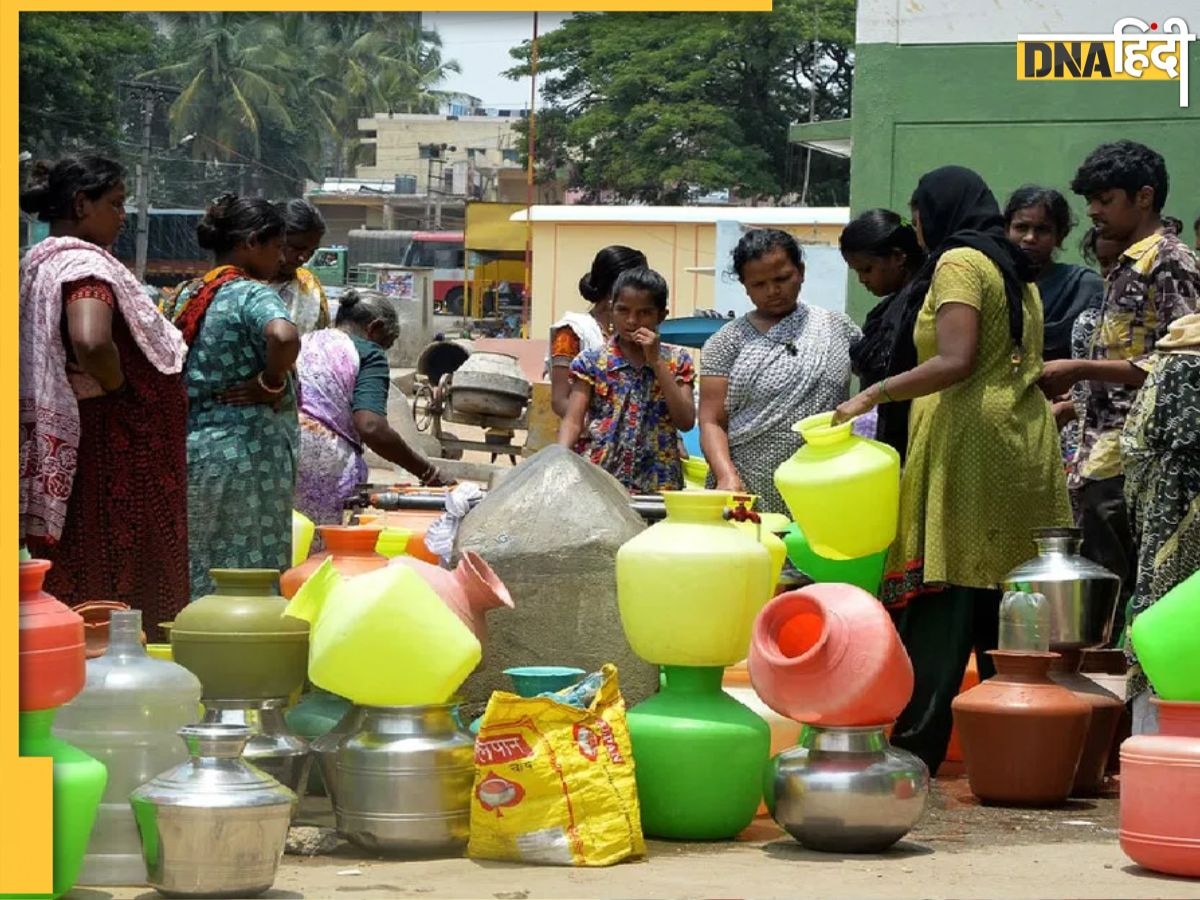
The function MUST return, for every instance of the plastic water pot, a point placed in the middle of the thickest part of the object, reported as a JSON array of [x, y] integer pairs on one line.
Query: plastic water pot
[[1160, 792], [842, 490], [383, 638], [865, 572], [689, 587], [1167, 640], [828, 655], [699, 755], [302, 537]]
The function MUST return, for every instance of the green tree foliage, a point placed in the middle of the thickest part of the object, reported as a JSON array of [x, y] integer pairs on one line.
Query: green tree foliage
[[657, 107], [70, 66], [266, 100]]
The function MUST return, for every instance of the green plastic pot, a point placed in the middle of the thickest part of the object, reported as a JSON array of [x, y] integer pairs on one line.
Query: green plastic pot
[[79, 782], [700, 756], [1166, 638], [865, 572]]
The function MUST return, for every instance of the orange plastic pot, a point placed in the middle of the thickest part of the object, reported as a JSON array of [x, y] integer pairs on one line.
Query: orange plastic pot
[[469, 590], [1160, 793], [351, 548], [828, 655], [970, 679], [52, 652]]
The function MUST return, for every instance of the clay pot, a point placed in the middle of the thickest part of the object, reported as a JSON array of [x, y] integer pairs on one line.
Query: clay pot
[[1022, 734], [1107, 709], [95, 614], [352, 548], [52, 666], [469, 591], [1110, 669]]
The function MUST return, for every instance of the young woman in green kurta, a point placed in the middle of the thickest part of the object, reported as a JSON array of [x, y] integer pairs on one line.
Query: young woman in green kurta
[[984, 466]]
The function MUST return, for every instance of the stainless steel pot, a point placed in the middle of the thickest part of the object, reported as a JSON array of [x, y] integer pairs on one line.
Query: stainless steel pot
[[845, 790], [324, 749], [214, 826], [1082, 595], [403, 781], [272, 746]]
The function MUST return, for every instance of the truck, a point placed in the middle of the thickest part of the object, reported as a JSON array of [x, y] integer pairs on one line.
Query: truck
[[454, 277]]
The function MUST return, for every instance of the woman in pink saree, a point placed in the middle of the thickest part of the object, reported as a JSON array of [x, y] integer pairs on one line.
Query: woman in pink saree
[[344, 382]]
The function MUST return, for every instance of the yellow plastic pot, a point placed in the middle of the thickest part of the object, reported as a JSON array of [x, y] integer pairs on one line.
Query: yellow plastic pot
[[302, 537], [842, 490], [383, 638], [773, 543], [689, 587], [393, 542], [695, 473]]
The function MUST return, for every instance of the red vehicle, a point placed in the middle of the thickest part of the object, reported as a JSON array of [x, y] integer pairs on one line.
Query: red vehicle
[[444, 252]]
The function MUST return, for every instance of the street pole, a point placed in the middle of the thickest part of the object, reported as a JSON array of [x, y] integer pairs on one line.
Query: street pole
[[529, 172], [143, 189], [150, 94]]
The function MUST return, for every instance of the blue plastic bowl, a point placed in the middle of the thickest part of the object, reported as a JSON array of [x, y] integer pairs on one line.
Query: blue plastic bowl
[[529, 681]]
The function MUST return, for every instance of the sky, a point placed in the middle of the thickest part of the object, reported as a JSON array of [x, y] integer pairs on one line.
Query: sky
[[480, 43]]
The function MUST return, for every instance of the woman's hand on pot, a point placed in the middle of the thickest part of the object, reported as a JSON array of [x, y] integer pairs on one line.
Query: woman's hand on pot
[[860, 404], [731, 483]]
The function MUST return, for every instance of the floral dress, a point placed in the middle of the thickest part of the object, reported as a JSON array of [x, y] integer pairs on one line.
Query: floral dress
[[628, 429]]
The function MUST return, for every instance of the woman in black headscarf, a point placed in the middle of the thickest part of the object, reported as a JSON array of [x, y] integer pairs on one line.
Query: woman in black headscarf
[[983, 466]]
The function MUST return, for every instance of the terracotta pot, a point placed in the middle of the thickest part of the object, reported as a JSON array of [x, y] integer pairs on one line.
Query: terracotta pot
[[828, 655], [469, 590], [1107, 709], [95, 614], [352, 548], [1022, 735], [1160, 792], [1110, 668], [237, 640], [52, 667]]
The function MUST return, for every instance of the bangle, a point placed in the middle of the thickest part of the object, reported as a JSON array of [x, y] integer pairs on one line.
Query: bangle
[[262, 383], [883, 391]]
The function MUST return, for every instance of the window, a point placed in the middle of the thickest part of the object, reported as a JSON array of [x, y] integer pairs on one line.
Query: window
[[512, 155]]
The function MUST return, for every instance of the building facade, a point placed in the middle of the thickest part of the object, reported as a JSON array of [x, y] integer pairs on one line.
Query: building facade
[[936, 83], [441, 154]]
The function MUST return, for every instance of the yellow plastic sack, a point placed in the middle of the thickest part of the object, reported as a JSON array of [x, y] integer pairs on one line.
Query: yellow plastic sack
[[554, 784]]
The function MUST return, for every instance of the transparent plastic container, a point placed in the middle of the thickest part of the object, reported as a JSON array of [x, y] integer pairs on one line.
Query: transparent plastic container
[[1024, 622], [127, 717]]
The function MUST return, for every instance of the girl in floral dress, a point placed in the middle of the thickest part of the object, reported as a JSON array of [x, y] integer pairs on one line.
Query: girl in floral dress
[[631, 397]]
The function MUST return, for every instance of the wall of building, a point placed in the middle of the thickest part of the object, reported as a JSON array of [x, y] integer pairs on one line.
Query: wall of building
[[935, 83], [563, 252], [398, 139]]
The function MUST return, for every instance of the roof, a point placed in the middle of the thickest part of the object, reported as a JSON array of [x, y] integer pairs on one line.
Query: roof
[[746, 215]]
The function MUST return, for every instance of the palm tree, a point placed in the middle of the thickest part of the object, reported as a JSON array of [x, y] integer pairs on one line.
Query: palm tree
[[371, 63], [238, 81]]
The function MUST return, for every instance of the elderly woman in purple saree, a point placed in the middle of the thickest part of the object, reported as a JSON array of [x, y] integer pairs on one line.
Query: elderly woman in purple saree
[[344, 382]]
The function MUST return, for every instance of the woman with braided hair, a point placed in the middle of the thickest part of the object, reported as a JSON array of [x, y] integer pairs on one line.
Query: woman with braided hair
[[243, 432]]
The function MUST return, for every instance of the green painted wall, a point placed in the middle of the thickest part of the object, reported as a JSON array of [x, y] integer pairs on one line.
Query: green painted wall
[[922, 106]]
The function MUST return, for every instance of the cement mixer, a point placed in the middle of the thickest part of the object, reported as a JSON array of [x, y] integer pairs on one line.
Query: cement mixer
[[459, 385]]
